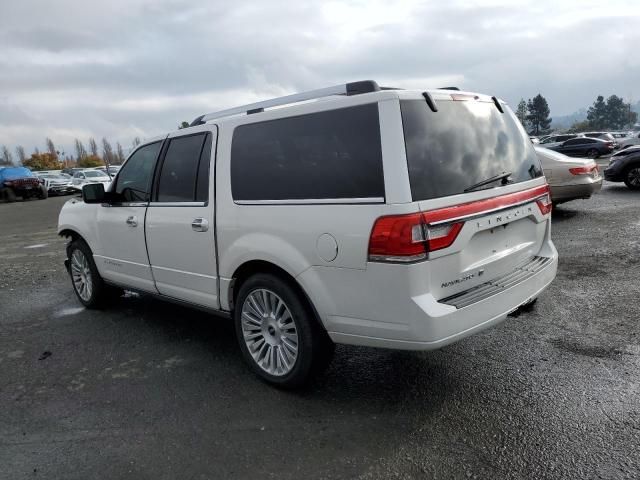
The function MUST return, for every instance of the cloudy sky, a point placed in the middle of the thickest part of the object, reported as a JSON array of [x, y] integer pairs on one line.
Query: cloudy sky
[[121, 68]]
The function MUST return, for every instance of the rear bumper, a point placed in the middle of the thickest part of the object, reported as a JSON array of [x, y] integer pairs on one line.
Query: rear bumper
[[565, 193], [382, 314]]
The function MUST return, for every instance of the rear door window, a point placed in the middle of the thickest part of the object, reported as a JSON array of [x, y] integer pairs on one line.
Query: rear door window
[[463, 143], [326, 155], [180, 167]]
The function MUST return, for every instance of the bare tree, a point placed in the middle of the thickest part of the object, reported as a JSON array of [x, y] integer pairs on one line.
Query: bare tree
[[136, 142], [51, 148], [120, 153], [81, 153], [36, 151], [20, 153], [107, 151], [93, 147], [5, 156]]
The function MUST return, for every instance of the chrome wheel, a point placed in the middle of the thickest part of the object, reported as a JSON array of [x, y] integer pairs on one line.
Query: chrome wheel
[[633, 177], [81, 275], [269, 332]]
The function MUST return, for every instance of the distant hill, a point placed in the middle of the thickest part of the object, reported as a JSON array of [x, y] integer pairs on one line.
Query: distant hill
[[565, 121]]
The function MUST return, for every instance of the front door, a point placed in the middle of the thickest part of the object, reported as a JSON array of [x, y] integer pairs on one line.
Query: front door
[[121, 256], [180, 219]]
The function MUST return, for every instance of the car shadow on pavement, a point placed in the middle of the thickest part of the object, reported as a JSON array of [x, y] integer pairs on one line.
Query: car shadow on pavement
[[385, 378]]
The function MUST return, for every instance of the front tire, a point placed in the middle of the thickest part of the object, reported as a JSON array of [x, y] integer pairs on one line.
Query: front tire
[[8, 195], [86, 281], [593, 153], [279, 336], [44, 193], [632, 177]]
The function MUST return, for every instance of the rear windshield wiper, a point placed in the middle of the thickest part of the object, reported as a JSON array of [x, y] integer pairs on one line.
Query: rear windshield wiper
[[504, 176]]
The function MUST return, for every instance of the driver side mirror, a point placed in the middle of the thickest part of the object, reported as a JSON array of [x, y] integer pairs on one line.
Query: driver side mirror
[[94, 193]]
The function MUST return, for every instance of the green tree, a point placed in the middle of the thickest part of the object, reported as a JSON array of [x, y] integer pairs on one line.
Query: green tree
[[538, 116], [42, 161], [90, 161], [183, 125], [521, 112], [597, 114], [617, 113]]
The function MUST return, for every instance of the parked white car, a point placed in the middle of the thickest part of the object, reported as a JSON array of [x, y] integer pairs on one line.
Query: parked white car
[[56, 183], [85, 177], [569, 178], [633, 139], [385, 218]]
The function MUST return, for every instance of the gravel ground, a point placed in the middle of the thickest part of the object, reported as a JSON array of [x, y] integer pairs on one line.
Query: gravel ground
[[150, 390]]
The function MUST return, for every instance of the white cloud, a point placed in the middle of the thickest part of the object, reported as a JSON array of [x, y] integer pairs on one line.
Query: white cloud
[[138, 67]]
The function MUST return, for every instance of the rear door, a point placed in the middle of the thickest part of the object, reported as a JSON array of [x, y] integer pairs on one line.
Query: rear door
[[476, 232], [180, 219]]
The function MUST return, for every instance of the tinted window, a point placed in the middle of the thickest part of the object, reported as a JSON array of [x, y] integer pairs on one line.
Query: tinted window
[[333, 154], [202, 182], [180, 169], [134, 180], [463, 143]]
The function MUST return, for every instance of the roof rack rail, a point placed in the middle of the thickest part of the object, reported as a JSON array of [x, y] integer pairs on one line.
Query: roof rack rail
[[449, 88], [352, 88]]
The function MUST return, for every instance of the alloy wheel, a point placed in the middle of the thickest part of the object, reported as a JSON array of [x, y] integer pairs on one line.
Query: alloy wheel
[[269, 332], [633, 176], [81, 275]]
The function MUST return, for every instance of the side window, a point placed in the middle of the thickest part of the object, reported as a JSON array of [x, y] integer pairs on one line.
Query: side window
[[180, 168], [202, 183], [326, 155], [134, 179]]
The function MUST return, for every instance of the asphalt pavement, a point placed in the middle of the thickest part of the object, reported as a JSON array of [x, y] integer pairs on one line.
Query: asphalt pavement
[[146, 389]]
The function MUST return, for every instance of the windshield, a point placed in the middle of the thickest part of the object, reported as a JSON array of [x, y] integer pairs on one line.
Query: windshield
[[95, 174], [462, 144]]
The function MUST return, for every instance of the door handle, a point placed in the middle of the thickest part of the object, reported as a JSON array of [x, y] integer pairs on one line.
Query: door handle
[[132, 221], [200, 225]]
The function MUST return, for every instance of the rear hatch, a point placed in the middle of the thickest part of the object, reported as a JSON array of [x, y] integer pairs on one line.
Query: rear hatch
[[479, 185]]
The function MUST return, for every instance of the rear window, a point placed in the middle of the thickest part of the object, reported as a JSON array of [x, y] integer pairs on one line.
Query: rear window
[[463, 143], [326, 155]]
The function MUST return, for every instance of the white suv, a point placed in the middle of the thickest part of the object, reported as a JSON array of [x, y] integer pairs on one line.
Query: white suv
[[365, 216]]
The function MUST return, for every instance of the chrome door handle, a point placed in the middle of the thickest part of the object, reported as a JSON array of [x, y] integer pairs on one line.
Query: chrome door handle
[[200, 225], [132, 221]]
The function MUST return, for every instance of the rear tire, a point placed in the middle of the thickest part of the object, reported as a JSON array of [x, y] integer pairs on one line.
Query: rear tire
[[632, 177], [8, 195], [279, 336], [593, 153], [86, 281]]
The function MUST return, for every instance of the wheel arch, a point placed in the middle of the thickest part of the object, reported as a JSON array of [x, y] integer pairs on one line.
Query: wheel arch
[[252, 267]]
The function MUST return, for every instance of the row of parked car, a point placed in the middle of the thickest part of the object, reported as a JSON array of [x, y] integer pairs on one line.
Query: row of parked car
[[588, 144], [22, 182]]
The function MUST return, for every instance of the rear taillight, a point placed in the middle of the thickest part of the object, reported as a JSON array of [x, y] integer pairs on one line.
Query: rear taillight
[[409, 238], [586, 170], [544, 203]]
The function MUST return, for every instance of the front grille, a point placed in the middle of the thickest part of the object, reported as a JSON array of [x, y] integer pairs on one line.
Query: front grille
[[520, 273]]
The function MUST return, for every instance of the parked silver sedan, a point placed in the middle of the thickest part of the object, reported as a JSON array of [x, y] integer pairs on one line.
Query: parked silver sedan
[[569, 178]]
